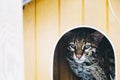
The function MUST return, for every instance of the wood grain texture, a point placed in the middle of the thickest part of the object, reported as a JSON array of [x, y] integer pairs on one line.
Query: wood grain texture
[[71, 14], [47, 34]]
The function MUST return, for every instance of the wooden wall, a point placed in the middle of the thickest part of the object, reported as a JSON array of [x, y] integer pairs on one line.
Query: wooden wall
[[46, 20]]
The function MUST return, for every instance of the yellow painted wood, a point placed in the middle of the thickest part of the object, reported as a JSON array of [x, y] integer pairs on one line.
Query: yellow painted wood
[[114, 31], [116, 8], [71, 14], [59, 17], [83, 12], [95, 14], [107, 16], [46, 21], [29, 39], [47, 35]]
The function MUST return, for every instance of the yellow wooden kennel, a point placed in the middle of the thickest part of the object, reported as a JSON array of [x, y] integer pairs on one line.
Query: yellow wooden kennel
[[45, 21]]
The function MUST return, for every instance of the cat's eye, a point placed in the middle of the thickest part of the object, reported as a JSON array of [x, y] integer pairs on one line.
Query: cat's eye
[[87, 46], [72, 47]]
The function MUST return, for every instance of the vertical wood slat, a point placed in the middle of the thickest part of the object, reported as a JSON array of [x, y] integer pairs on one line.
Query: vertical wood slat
[[29, 40], [56, 58], [114, 31], [71, 11], [35, 39], [47, 34], [59, 17], [95, 14], [107, 16], [83, 12]]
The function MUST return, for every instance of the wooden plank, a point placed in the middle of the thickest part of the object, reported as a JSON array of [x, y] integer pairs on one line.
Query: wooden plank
[[29, 40], [95, 14], [47, 34], [114, 30], [71, 14]]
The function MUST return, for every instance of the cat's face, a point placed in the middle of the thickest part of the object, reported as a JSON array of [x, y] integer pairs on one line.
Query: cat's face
[[83, 49]]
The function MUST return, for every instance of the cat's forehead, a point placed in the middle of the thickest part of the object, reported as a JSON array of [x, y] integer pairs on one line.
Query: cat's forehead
[[76, 39], [80, 36]]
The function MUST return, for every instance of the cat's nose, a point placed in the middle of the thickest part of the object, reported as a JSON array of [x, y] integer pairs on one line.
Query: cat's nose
[[78, 56]]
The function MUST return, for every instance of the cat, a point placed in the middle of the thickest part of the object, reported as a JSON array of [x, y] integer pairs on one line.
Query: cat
[[84, 58]]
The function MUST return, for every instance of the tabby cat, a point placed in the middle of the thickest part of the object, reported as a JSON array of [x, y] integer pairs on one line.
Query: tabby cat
[[85, 58]]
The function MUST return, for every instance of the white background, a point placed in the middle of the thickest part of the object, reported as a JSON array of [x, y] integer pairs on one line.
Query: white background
[[11, 40]]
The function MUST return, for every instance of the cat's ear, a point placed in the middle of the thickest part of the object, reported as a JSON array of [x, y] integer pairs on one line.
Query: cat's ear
[[97, 36]]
